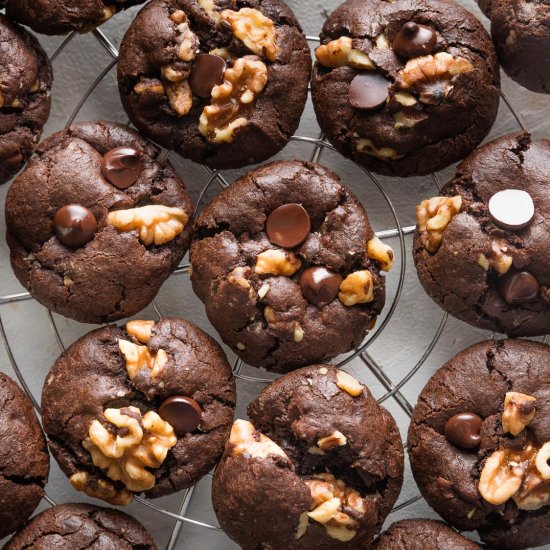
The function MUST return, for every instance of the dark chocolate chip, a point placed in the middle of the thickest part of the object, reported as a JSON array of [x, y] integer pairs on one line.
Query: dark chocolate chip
[[368, 91], [75, 225], [319, 286], [206, 72], [414, 40], [512, 209], [519, 287], [182, 413], [122, 166], [463, 430], [288, 226]]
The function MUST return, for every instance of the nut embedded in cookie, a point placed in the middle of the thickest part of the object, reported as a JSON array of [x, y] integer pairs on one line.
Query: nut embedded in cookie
[[340, 52], [433, 216]]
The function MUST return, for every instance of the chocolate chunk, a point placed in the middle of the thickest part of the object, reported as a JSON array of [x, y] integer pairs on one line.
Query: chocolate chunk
[[319, 286], [414, 40], [463, 430], [368, 91], [182, 413], [519, 287], [75, 225], [512, 209], [288, 225], [122, 166], [207, 71]]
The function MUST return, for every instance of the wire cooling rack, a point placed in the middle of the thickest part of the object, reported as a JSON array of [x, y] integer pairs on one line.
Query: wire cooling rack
[[313, 148]]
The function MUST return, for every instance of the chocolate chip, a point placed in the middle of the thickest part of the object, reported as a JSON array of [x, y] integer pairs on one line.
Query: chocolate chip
[[182, 413], [512, 209], [207, 71], [288, 226], [519, 287], [414, 40], [319, 286], [122, 166], [463, 430], [368, 91], [75, 225]]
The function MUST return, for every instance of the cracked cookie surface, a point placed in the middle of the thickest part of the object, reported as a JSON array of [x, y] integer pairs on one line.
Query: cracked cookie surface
[[324, 473], [181, 82], [82, 527], [481, 381], [24, 96], [115, 270], [440, 99], [477, 257], [24, 459], [252, 287]]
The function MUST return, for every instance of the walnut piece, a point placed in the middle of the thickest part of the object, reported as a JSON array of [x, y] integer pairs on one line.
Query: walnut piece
[[277, 262], [433, 216], [364, 145], [382, 253], [187, 41], [500, 478], [256, 31], [519, 411], [238, 277], [140, 330], [233, 101], [142, 443], [180, 97], [140, 357], [246, 441], [149, 86], [496, 259], [101, 489], [357, 288], [340, 53], [155, 223], [335, 439], [348, 383], [209, 7]]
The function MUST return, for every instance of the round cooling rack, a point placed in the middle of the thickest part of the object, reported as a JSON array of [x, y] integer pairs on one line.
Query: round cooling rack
[[408, 331]]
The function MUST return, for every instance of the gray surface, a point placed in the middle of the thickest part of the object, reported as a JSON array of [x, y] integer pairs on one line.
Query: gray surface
[[398, 349]]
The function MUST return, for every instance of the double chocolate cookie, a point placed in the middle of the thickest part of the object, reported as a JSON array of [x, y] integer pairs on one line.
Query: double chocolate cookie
[[405, 90], [62, 16], [24, 96], [319, 465], [81, 526], [481, 247], [221, 82], [479, 442], [288, 266], [144, 408], [97, 222], [24, 459]]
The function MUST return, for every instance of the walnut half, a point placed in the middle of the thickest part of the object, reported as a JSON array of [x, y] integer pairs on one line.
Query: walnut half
[[433, 216]]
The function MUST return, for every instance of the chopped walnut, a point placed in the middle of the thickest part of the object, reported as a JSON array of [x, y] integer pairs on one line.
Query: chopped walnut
[[187, 41], [209, 6], [433, 216], [541, 462], [140, 330], [382, 253], [256, 31], [348, 383], [175, 73], [246, 441], [340, 53], [496, 259], [277, 262], [149, 86], [519, 411], [140, 357], [407, 120], [142, 443], [407, 100], [299, 334], [335, 439], [238, 277], [155, 223], [500, 478], [180, 97], [357, 288], [364, 145], [101, 489]]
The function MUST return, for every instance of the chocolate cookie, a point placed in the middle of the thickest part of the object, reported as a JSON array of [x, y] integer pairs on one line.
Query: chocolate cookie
[[479, 442], [405, 90], [62, 16], [150, 409], [97, 222], [422, 534], [319, 464], [221, 82], [24, 459], [288, 266], [481, 247], [24, 96], [82, 527]]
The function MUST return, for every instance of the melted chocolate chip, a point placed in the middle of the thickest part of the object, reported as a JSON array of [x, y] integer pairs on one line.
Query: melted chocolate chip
[[463, 430], [519, 287], [122, 166], [75, 225], [288, 226], [512, 209], [368, 91], [182, 413], [319, 286], [207, 71], [414, 40]]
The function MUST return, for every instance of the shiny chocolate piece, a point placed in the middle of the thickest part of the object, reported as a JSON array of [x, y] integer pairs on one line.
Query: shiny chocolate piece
[[414, 40], [75, 225], [182, 413], [122, 166], [462, 430], [519, 287], [512, 209], [368, 91], [207, 71], [319, 286], [288, 226]]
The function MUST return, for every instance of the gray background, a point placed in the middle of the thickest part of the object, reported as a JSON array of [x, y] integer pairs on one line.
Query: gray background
[[417, 339]]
